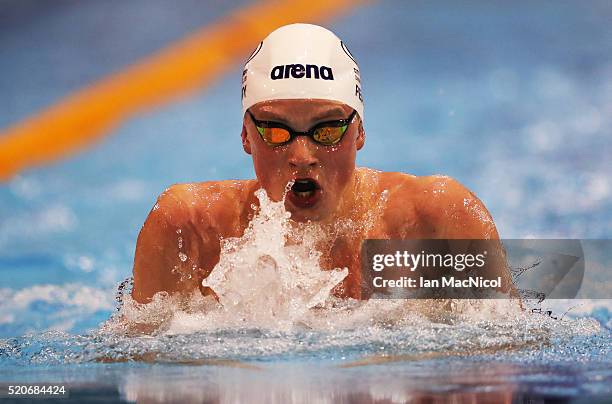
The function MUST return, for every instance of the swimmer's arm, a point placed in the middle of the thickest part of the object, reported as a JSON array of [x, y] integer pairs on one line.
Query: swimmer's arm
[[456, 213], [435, 207], [167, 256], [444, 209]]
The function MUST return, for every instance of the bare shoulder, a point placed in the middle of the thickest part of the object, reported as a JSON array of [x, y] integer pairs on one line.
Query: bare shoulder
[[209, 203], [179, 241], [436, 206], [457, 211]]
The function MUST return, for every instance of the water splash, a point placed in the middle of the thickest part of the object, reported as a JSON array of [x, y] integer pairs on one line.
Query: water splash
[[266, 277], [271, 278], [524, 338], [275, 302]]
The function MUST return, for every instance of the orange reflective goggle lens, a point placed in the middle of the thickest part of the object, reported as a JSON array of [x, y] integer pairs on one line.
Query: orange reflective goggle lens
[[325, 133]]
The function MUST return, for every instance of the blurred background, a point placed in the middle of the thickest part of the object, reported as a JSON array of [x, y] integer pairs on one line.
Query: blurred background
[[104, 104]]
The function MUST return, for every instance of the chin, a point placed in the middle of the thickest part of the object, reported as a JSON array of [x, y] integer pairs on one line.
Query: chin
[[302, 215]]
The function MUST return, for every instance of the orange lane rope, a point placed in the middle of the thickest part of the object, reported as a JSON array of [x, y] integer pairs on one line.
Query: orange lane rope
[[87, 115]]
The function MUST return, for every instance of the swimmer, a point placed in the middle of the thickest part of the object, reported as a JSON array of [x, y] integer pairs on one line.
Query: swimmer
[[303, 115]]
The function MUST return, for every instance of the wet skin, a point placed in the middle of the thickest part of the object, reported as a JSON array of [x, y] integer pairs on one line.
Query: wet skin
[[179, 244]]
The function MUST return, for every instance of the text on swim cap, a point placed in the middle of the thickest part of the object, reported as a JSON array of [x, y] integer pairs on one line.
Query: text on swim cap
[[298, 71], [358, 93]]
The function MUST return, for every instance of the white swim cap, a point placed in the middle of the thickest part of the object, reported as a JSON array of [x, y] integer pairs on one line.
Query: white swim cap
[[301, 61]]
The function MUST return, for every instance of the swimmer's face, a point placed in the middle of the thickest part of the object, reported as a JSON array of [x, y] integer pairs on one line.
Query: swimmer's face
[[321, 173]]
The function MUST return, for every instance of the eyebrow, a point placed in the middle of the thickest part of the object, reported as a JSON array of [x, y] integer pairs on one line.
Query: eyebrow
[[326, 115], [329, 113]]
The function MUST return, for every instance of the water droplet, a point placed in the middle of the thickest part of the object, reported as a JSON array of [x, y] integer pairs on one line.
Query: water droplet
[[182, 256]]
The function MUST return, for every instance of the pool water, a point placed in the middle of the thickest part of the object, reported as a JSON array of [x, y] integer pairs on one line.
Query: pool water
[[512, 99], [275, 332], [520, 358]]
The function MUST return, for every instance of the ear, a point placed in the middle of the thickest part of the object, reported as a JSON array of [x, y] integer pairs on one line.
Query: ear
[[246, 144], [360, 136]]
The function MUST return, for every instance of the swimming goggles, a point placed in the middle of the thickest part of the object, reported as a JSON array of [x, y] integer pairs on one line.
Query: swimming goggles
[[326, 133]]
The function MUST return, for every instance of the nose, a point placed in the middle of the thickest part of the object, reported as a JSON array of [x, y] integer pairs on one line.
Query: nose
[[302, 153]]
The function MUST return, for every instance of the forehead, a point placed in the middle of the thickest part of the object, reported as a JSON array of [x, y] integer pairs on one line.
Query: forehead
[[306, 108]]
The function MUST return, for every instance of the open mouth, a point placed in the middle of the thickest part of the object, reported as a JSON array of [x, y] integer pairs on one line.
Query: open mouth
[[304, 188], [304, 192]]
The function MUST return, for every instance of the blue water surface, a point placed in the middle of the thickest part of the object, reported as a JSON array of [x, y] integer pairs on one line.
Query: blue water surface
[[513, 99]]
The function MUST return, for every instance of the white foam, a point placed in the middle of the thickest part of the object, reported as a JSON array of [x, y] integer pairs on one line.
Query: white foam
[[55, 218], [271, 278], [261, 277], [70, 294], [68, 301], [275, 299]]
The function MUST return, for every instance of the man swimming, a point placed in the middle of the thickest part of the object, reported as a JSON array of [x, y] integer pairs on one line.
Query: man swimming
[[303, 125]]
